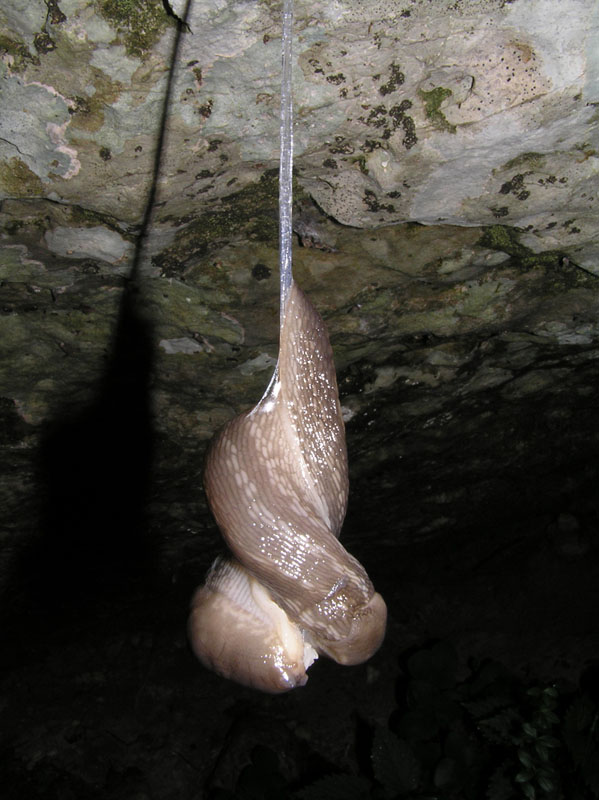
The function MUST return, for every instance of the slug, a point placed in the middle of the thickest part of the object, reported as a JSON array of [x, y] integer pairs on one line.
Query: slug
[[276, 479]]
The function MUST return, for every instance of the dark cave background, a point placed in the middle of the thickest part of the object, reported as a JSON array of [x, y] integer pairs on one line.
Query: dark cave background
[[102, 697]]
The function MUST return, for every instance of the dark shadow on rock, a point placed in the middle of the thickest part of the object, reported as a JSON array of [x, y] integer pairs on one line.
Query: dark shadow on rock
[[92, 546], [94, 478]]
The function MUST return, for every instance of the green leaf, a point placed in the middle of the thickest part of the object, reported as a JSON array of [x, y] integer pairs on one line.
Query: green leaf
[[529, 730], [549, 741], [542, 751], [395, 765], [551, 691], [546, 779], [499, 728], [547, 695], [524, 776], [546, 784], [550, 716], [547, 702], [525, 758]]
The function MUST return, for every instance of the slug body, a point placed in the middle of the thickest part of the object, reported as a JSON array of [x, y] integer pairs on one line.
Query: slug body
[[277, 482]]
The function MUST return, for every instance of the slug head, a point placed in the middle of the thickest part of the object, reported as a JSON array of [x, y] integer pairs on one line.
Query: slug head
[[366, 634]]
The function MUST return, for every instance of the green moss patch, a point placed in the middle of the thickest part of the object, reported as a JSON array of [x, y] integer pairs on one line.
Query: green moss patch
[[432, 108], [18, 180], [251, 211], [564, 275], [19, 52], [138, 22], [535, 161]]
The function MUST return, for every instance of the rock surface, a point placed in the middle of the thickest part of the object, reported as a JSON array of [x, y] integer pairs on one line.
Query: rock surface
[[446, 203], [478, 113]]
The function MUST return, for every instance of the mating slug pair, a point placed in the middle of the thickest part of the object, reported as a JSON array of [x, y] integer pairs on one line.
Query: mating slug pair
[[277, 483]]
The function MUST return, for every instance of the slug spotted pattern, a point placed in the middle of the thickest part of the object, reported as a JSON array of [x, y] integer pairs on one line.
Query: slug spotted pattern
[[277, 483]]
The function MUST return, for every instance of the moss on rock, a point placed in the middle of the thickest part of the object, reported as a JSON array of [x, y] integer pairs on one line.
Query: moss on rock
[[252, 210], [18, 180], [432, 107], [138, 22]]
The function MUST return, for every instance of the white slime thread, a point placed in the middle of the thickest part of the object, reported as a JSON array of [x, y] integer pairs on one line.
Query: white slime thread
[[286, 161]]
